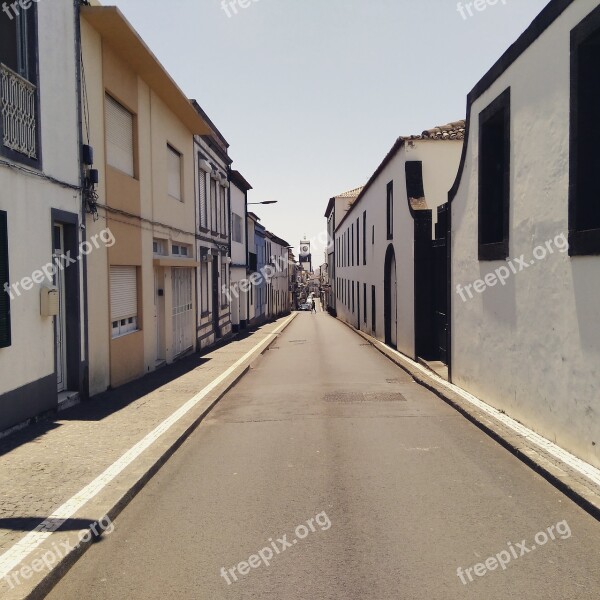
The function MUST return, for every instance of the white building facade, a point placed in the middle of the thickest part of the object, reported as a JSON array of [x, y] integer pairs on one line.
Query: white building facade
[[239, 292], [384, 243], [213, 237], [525, 325], [42, 334]]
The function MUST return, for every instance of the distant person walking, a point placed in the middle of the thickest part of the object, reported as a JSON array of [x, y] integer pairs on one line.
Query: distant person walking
[[313, 306]]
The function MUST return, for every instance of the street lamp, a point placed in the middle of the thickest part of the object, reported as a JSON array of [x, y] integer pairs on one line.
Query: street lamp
[[265, 202]]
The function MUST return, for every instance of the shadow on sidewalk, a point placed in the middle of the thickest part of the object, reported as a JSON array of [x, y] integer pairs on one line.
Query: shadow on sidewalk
[[103, 405], [113, 400], [30, 523]]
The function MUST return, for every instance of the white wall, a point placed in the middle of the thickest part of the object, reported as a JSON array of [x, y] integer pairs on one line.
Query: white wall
[[532, 347], [28, 200], [440, 163]]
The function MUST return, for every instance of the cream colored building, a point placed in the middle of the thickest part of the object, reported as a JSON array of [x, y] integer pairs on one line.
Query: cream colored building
[[141, 291]]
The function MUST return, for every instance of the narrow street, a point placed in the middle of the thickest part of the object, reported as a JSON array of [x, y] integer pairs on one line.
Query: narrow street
[[394, 488]]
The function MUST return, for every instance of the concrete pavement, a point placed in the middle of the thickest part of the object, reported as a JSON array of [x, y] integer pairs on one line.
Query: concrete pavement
[[58, 478], [325, 430]]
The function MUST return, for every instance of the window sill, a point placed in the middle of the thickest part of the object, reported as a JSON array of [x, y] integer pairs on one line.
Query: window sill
[[123, 335], [584, 243], [490, 252]]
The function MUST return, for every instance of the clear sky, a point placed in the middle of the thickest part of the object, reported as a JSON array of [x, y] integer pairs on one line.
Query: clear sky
[[312, 94]]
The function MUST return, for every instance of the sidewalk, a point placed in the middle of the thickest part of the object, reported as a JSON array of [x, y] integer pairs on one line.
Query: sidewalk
[[89, 462]]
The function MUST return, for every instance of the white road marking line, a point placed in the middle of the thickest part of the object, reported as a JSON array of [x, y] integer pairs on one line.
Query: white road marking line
[[24, 547], [585, 469]]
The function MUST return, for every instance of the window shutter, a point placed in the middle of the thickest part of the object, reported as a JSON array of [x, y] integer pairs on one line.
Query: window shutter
[[174, 166], [119, 137], [123, 293], [202, 193], [5, 337]]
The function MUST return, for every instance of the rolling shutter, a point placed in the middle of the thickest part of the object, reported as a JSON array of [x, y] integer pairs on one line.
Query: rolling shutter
[[5, 337], [119, 137], [123, 293]]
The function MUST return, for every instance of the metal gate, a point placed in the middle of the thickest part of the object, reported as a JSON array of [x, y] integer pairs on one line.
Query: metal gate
[[440, 284], [183, 310]]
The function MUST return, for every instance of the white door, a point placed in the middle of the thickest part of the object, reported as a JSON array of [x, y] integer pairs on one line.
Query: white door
[[183, 310], [60, 321]]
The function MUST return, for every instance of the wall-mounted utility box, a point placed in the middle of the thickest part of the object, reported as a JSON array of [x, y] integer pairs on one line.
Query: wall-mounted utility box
[[49, 301]]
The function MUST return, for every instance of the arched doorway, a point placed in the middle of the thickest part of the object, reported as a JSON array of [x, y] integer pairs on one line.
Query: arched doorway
[[391, 298]]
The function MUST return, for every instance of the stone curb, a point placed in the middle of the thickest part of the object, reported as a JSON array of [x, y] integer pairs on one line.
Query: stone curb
[[555, 471], [124, 489]]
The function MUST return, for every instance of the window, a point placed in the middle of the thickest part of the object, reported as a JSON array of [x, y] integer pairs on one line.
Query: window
[[365, 237], [180, 250], [18, 90], [357, 241], [352, 244], [202, 199], [236, 230], [175, 167], [353, 302], [123, 300], [414, 180], [390, 210], [365, 303], [494, 179], [213, 204], [373, 309], [224, 211], [5, 333], [584, 188], [119, 137], [373, 236], [159, 247]]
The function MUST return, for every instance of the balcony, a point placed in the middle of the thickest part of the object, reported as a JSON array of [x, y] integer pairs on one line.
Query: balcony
[[17, 107]]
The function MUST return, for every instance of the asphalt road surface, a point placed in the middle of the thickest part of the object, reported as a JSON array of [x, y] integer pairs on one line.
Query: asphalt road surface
[[327, 473]]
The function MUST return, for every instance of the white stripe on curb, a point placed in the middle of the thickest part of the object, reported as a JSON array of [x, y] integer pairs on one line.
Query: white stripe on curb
[[585, 469], [24, 547]]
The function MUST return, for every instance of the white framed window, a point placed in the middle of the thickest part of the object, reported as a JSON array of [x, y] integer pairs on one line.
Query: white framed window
[[202, 199], [180, 250], [123, 300], [204, 288], [213, 204], [159, 247], [223, 280], [119, 137], [175, 168]]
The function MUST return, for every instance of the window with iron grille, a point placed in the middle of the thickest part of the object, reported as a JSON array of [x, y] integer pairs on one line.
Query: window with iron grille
[[202, 199], [19, 106]]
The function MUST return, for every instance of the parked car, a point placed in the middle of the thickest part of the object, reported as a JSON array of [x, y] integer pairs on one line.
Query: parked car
[[305, 307]]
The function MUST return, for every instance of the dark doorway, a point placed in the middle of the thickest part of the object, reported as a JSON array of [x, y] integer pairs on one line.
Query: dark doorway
[[216, 300], [391, 298]]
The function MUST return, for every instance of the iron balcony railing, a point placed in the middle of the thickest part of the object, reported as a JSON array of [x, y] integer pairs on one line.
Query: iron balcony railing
[[17, 106]]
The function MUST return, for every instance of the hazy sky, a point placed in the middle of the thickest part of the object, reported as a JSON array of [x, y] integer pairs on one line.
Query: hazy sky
[[311, 94]]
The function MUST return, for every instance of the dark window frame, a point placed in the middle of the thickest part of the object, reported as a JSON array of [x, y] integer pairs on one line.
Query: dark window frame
[[373, 309], [31, 74], [390, 210], [364, 237], [6, 338], [365, 303], [358, 241], [584, 240], [499, 109]]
